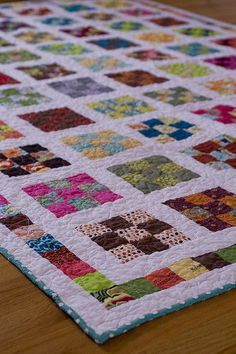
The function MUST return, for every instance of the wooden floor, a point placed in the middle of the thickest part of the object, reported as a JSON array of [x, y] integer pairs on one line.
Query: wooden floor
[[30, 323]]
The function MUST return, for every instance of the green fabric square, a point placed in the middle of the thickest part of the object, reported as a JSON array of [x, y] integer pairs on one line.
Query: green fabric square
[[228, 254], [139, 287], [92, 282]]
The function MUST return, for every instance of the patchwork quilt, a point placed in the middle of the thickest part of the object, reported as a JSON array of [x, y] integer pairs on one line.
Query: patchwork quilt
[[118, 157]]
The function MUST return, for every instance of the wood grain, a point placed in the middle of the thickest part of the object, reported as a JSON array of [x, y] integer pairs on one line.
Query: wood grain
[[32, 324]]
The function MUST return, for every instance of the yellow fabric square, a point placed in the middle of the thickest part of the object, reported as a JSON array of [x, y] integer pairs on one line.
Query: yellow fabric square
[[188, 268]]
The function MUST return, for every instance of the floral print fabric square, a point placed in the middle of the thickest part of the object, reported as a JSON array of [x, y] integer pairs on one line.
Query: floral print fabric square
[[214, 209], [219, 153], [221, 113], [137, 78], [32, 37], [14, 56], [84, 31], [152, 173], [72, 194], [7, 132], [21, 97], [133, 235], [228, 62], [198, 32], [165, 130], [186, 69], [27, 159], [45, 71], [103, 62], [113, 43], [176, 96], [149, 54], [80, 87], [121, 107], [194, 49], [100, 144]]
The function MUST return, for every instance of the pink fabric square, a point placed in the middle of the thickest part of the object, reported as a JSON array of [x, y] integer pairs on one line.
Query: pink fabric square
[[81, 179], [37, 190], [76, 269], [106, 196], [61, 209], [3, 200], [72, 193]]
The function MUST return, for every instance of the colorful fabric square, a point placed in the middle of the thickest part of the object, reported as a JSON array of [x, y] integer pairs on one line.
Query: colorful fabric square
[[80, 87], [186, 69], [223, 87], [7, 132], [102, 62], [10, 26], [36, 37], [21, 97], [84, 31], [46, 71], [149, 54], [4, 43], [133, 235], [77, 7], [110, 4], [58, 21], [14, 56], [136, 12], [7, 80], [56, 119], [222, 113], [100, 144], [167, 21], [127, 26], [157, 37], [70, 195], [65, 49], [27, 159], [228, 42], [136, 78], [198, 32], [227, 62], [193, 49], [98, 16], [113, 43], [152, 173], [219, 153], [121, 107], [165, 130], [214, 209], [176, 96], [41, 11]]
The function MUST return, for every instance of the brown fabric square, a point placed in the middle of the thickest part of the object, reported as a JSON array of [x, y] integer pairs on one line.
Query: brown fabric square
[[211, 261], [15, 221], [167, 21], [154, 226], [149, 245], [207, 147], [60, 256], [137, 78], [205, 158], [116, 223], [56, 119], [109, 240]]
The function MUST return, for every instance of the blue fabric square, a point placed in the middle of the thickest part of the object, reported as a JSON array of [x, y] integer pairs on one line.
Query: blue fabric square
[[180, 134], [152, 122], [182, 125], [44, 244], [150, 133]]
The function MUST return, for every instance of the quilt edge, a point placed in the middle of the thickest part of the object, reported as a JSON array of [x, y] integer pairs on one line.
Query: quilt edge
[[102, 338]]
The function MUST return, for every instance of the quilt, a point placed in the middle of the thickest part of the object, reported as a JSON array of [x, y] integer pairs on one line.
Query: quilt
[[118, 157]]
